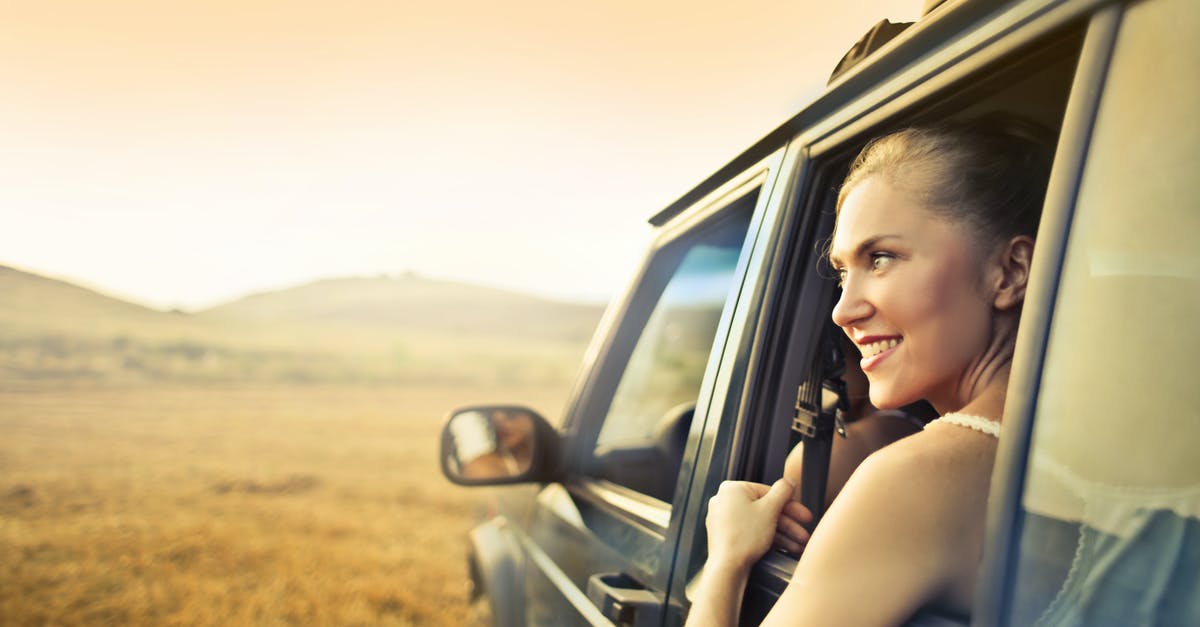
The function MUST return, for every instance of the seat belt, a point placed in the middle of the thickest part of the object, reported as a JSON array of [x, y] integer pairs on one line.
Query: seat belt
[[821, 408]]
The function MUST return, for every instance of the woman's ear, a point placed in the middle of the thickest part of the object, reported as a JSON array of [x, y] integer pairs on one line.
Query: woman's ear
[[1013, 277]]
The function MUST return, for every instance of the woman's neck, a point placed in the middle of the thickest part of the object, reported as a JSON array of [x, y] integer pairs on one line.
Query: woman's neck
[[981, 387], [983, 397]]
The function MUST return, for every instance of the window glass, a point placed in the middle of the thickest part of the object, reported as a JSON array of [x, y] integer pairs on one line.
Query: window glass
[[1111, 507], [645, 429], [668, 362]]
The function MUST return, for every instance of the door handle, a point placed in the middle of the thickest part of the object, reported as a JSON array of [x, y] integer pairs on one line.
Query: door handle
[[624, 601]]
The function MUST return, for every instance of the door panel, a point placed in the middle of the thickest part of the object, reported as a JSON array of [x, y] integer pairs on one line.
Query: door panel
[[562, 553], [605, 531]]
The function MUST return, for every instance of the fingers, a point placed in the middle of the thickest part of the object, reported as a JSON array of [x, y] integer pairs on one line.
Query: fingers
[[792, 530], [742, 519], [790, 536], [741, 491], [788, 544], [798, 512], [779, 495], [745, 519]]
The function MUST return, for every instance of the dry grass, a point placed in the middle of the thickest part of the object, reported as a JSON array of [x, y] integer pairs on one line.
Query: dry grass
[[207, 505]]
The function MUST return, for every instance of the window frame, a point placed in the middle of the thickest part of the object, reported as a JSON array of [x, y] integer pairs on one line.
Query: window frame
[[608, 356]]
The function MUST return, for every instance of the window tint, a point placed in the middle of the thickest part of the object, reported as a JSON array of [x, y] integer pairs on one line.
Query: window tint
[[644, 431], [1111, 507], [668, 362]]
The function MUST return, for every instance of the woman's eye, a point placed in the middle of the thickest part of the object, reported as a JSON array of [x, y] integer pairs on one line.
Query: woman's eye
[[879, 261], [841, 277]]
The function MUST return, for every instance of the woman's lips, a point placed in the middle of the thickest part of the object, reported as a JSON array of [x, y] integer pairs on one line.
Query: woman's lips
[[878, 350]]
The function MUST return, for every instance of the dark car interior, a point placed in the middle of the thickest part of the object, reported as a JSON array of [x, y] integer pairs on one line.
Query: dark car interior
[[652, 468]]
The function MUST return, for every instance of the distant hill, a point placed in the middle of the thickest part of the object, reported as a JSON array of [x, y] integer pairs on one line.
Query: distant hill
[[350, 329], [34, 304], [413, 303]]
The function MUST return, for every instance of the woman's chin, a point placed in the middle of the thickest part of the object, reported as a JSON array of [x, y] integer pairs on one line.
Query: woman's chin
[[884, 398]]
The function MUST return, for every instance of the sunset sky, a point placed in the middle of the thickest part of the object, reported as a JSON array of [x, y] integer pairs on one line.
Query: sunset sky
[[185, 153]]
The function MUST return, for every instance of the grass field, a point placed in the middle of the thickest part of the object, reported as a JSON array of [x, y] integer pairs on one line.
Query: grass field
[[265, 504]]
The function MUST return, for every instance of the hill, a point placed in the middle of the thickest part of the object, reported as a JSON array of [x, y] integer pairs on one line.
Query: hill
[[353, 329], [412, 303], [31, 304]]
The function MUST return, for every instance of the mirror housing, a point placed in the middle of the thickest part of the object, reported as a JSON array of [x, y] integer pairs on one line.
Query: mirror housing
[[498, 445]]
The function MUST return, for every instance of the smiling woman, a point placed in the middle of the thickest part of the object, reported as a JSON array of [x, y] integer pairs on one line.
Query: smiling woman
[[933, 244], [911, 346], [944, 213]]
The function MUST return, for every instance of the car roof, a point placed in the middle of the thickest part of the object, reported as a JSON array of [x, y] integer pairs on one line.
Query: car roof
[[931, 32]]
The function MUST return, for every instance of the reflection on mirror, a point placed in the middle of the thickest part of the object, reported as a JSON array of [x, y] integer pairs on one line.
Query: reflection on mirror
[[490, 443]]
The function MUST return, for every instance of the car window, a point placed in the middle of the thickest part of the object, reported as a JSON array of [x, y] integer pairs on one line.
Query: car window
[[668, 362], [645, 427], [1111, 504]]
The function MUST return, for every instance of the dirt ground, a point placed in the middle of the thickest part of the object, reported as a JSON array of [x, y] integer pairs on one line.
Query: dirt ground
[[234, 505]]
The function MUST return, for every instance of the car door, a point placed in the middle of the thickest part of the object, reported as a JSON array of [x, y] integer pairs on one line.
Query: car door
[[1096, 494], [600, 545]]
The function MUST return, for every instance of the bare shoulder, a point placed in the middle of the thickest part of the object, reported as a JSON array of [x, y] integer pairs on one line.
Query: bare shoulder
[[921, 487], [943, 471], [939, 448], [900, 527]]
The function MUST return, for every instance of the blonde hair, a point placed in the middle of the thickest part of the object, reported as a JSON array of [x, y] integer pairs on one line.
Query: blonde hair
[[990, 173]]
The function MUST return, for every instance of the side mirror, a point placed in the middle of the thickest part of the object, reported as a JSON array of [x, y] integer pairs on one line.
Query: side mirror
[[498, 444]]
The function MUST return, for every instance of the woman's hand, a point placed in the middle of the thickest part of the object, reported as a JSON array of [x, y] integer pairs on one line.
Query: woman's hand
[[744, 518], [791, 534]]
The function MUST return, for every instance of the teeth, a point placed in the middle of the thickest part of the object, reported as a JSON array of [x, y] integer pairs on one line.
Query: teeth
[[874, 348]]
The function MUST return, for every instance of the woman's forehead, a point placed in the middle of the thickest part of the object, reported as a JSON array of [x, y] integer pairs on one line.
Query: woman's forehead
[[875, 208]]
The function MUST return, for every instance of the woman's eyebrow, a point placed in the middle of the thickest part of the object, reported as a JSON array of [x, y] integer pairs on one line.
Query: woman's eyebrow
[[861, 248]]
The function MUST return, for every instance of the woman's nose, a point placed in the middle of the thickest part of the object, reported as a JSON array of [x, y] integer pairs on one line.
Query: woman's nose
[[851, 307]]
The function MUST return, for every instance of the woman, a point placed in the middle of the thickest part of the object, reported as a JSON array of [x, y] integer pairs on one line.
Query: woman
[[933, 243]]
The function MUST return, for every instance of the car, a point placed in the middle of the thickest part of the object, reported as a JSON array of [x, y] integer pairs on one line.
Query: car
[[695, 372]]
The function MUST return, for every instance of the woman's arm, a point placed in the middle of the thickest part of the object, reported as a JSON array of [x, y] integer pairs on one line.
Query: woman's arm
[[742, 520], [718, 597], [902, 533], [889, 545]]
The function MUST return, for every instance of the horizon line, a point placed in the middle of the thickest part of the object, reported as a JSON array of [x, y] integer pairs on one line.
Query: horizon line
[[403, 274]]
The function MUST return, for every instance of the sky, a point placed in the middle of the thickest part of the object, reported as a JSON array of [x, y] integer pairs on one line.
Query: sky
[[183, 154]]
